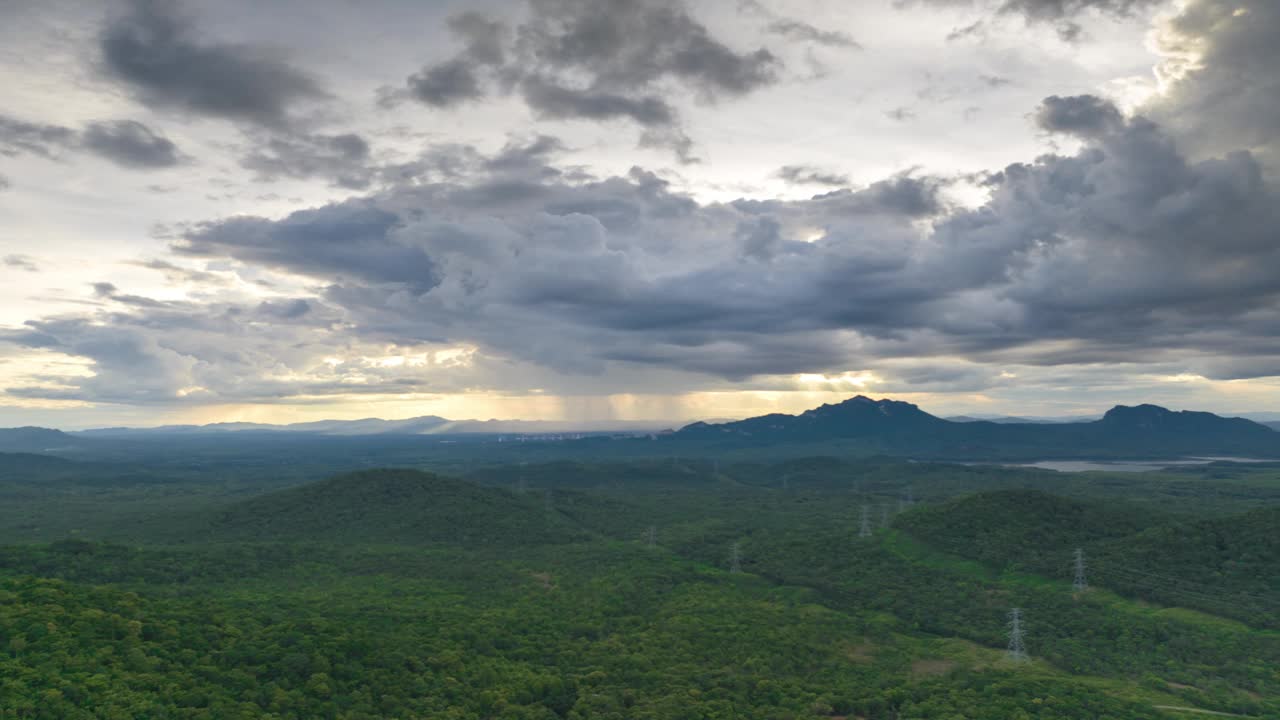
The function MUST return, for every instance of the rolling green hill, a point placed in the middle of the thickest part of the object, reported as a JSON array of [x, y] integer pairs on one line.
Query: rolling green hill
[[1226, 566], [1022, 529], [392, 507]]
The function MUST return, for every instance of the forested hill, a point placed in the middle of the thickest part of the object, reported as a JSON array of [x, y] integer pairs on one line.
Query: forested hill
[[1226, 566], [901, 428], [34, 439], [404, 507]]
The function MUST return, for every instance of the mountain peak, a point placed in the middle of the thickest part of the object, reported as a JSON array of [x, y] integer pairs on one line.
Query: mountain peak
[[858, 416], [1154, 417]]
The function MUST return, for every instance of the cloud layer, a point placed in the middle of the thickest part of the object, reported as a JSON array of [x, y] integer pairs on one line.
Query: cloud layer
[[1147, 241], [154, 48], [600, 61]]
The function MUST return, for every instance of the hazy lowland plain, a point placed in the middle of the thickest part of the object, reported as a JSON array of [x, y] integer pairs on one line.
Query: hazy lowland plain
[[838, 565]]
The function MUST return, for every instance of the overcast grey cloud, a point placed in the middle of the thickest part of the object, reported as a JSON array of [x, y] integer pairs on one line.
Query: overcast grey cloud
[[20, 136], [1088, 116], [797, 29], [1045, 10], [130, 144], [599, 61], [807, 175], [1225, 93], [1061, 14], [127, 143], [735, 291], [156, 49], [803, 31], [343, 159]]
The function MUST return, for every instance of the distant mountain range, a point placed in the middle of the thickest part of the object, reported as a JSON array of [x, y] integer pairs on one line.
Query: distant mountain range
[[859, 425], [424, 425], [900, 428], [1017, 420]]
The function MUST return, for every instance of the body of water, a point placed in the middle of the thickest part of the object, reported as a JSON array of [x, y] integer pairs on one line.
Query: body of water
[[1125, 465]]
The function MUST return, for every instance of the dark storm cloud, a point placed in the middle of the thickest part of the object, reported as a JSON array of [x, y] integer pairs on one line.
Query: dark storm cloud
[[559, 102], [808, 175], [351, 240], [1126, 244], [155, 49], [344, 160], [1225, 93], [1141, 247], [446, 84], [624, 45], [1087, 116], [464, 77], [598, 61], [903, 195], [130, 144]]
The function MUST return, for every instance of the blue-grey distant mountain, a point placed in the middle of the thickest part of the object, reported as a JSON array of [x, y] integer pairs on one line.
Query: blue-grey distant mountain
[[857, 417], [424, 425], [34, 440], [1017, 419], [900, 428]]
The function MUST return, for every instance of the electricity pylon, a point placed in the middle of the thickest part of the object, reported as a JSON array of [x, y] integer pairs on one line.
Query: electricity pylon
[[651, 537], [1079, 584], [864, 528], [735, 559], [1017, 651]]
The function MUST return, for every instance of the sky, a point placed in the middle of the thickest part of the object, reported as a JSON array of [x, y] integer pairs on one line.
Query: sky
[[597, 210]]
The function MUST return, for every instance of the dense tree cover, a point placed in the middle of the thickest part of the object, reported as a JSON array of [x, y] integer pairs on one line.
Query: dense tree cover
[[602, 632], [1227, 566], [407, 595], [135, 503], [390, 507]]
